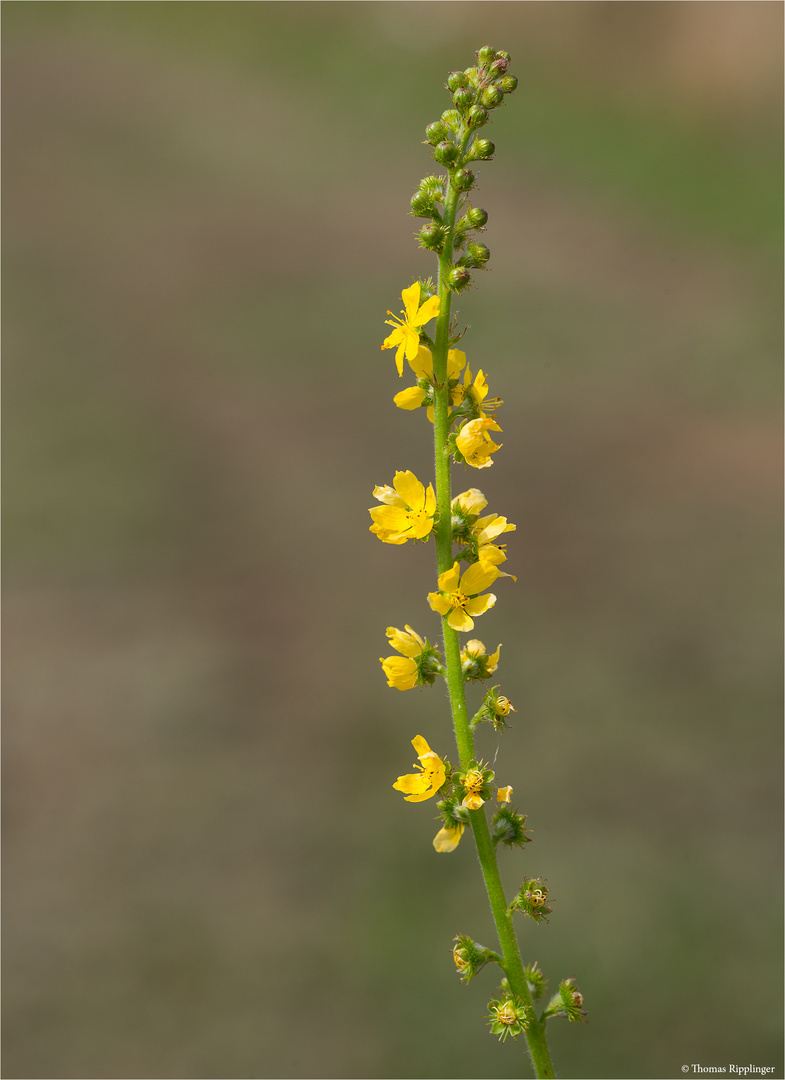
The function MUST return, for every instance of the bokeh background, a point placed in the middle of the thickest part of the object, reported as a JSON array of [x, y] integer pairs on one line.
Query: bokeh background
[[207, 872]]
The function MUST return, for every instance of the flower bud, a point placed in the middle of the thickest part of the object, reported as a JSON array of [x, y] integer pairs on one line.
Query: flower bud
[[477, 217], [482, 150], [499, 65], [480, 253], [507, 84], [431, 237], [456, 80], [477, 116], [446, 153], [451, 119], [464, 97], [463, 179], [492, 96], [435, 132], [458, 278], [486, 55]]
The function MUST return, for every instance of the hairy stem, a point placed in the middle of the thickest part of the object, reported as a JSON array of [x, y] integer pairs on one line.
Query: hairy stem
[[513, 967]]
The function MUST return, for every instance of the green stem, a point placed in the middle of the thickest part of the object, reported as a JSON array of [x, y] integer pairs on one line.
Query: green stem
[[513, 967]]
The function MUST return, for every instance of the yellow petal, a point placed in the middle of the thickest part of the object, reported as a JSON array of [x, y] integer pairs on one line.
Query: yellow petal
[[430, 501], [448, 581], [411, 398], [480, 604], [472, 802], [411, 300], [386, 494], [422, 364], [455, 361], [414, 783], [410, 489], [471, 501], [429, 309], [439, 603], [421, 747], [478, 577], [504, 794], [459, 619], [447, 839]]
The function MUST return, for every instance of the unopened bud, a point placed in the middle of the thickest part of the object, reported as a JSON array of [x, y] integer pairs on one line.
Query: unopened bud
[[431, 237], [507, 84], [457, 79], [492, 96], [477, 217], [486, 55], [435, 132], [463, 180], [464, 97], [482, 149], [458, 278], [478, 115], [446, 153]]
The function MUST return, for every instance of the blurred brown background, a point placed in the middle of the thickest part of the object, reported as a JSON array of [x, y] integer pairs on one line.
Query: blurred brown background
[[207, 872]]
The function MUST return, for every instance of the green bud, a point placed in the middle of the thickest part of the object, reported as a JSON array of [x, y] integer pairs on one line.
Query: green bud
[[456, 80], [536, 980], [431, 237], [502, 54], [507, 84], [478, 115], [479, 252], [458, 278], [463, 180], [568, 1002], [486, 55], [481, 150], [464, 97], [435, 132], [492, 96], [458, 238], [451, 119], [509, 827], [499, 65], [446, 153], [477, 217]]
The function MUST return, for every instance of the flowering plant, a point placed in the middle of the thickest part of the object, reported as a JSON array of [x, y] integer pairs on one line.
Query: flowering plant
[[465, 426]]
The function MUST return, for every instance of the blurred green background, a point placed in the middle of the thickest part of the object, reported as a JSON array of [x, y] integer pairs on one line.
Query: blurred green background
[[207, 872]]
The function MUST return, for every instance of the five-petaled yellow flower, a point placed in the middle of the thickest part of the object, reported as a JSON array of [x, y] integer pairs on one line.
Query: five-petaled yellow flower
[[428, 780], [408, 510], [406, 334], [422, 366], [401, 671], [457, 598], [475, 443]]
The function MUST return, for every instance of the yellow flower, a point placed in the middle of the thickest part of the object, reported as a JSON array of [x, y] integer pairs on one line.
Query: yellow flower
[[504, 794], [408, 510], [457, 598], [405, 334], [475, 443], [447, 840], [401, 671], [470, 502], [422, 366], [475, 650], [428, 780], [473, 782]]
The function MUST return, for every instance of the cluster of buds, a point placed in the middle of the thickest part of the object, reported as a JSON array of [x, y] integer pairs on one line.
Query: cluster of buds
[[455, 145], [532, 900], [567, 1002], [507, 1015], [470, 957]]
